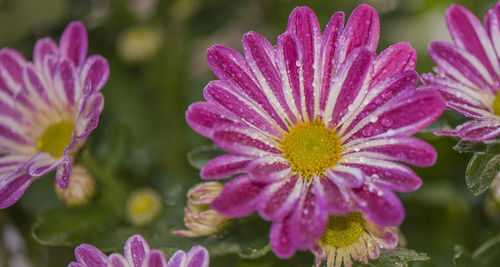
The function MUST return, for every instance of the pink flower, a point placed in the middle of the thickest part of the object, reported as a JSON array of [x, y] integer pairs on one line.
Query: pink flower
[[137, 253], [316, 125], [468, 72], [47, 109]]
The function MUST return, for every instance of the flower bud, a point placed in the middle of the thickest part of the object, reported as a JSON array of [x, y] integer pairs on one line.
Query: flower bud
[[143, 206], [80, 190], [199, 218], [495, 189]]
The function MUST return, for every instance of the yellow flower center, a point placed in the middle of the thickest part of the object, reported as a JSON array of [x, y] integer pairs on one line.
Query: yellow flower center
[[496, 105], [311, 148], [343, 231], [55, 138], [143, 206]]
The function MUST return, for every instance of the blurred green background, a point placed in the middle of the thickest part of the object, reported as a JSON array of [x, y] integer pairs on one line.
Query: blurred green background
[[156, 50]]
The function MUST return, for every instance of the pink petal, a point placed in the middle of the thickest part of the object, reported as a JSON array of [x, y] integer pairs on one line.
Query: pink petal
[[224, 166], [331, 196], [280, 239], [89, 116], [202, 116], [396, 58], [279, 199], [94, 74], [90, 256], [13, 186], [33, 83], [345, 176], [198, 256], [155, 258], [268, 169], [117, 260], [43, 48], [66, 82], [474, 130], [379, 205], [63, 172], [179, 259], [42, 163], [136, 249], [11, 70], [239, 197], [74, 42]]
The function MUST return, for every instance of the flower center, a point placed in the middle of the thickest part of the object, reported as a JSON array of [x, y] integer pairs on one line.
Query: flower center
[[311, 148], [496, 105], [55, 138], [343, 231]]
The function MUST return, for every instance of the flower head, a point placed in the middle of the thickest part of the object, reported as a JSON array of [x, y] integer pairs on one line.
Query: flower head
[[199, 217], [317, 125], [468, 72], [138, 253], [143, 206], [47, 108], [352, 237]]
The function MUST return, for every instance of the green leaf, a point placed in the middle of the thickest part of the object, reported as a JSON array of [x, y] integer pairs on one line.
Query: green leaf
[[486, 255], [398, 257], [198, 157], [489, 146], [481, 171]]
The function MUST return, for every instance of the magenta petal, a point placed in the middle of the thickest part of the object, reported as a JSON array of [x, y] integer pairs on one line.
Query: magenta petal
[[13, 186], [304, 24], [468, 33], [362, 29], [268, 169], [42, 163], [89, 116], [280, 239], [308, 222], [239, 197], [77, 264], [66, 82], [179, 259], [74, 43], [394, 59], [329, 46], [11, 70], [117, 260], [63, 173], [33, 83], [279, 199], [346, 176], [379, 205], [94, 74], [224, 166], [202, 116], [136, 249], [155, 258], [474, 130], [198, 256], [331, 197], [44, 47], [231, 68], [243, 140], [90, 256]]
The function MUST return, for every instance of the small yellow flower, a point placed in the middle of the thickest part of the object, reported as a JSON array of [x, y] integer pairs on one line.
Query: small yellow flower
[[143, 206]]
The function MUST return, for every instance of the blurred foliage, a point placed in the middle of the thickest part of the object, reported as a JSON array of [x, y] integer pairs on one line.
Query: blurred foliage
[[142, 138]]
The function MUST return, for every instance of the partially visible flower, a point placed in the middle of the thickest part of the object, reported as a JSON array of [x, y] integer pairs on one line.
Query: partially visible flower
[[139, 43], [468, 72], [351, 238], [138, 253], [47, 109], [199, 217], [80, 190], [317, 125], [143, 206]]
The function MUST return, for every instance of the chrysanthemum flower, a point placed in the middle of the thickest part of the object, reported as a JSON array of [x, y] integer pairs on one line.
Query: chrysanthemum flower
[[137, 253], [47, 109], [351, 238], [468, 72], [316, 124]]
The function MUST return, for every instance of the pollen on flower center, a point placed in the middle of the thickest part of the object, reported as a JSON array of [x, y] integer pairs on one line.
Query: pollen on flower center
[[311, 148], [343, 231], [496, 105], [55, 138]]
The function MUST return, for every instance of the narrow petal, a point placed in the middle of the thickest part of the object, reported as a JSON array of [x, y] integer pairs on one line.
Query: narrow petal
[[309, 220], [239, 197], [155, 258], [42, 163], [396, 58], [202, 116], [11, 70], [74, 43], [345, 176], [179, 259], [269, 169], [468, 33], [249, 112], [224, 166], [66, 82], [474, 130], [492, 22], [89, 115], [90, 256], [13, 186], [304, 24], [279, 199], [198, 256], [331, 196], [94, 74], [63, 172], [362, 29], [117, 260], [43, 48], [243, 140], [280, 239], [136, 249], [34, 84], [231, 67], [379, 205]]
